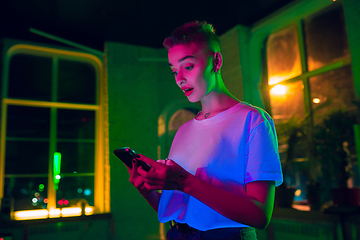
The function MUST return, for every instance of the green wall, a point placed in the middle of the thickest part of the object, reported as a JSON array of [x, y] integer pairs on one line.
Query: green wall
[[352, 19], [140, 85]]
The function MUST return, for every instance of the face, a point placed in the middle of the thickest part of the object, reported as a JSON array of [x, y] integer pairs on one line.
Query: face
[[191, 66]]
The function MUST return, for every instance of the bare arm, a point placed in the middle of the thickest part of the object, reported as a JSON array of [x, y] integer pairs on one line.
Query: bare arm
[[253, 208]]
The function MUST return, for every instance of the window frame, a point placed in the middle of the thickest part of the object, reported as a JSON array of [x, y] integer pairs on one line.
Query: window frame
[[305, 75], [101, 159]]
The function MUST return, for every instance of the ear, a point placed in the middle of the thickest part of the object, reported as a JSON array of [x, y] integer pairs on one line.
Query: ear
[[217, 60]]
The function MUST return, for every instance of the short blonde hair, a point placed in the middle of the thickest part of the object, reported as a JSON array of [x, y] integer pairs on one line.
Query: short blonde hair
[[197, 32]]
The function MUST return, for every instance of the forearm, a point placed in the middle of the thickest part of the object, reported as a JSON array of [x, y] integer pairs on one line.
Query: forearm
[[238, 207], [153, 199]]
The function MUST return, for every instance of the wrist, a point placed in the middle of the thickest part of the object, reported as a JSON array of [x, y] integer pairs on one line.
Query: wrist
[[188, 180]]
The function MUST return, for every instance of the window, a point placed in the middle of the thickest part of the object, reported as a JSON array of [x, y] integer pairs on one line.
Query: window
[[51, 142], [309, 73], [308, 64]]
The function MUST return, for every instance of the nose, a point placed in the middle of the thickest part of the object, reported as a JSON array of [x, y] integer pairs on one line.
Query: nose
[[180, 79]]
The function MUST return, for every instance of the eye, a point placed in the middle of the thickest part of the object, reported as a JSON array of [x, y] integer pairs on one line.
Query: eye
[[189, 67], [174, 73]]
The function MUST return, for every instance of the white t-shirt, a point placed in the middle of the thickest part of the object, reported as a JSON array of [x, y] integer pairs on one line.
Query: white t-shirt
[[229, 150]]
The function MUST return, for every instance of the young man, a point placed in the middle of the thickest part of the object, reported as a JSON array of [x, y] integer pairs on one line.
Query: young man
[[223, 166]]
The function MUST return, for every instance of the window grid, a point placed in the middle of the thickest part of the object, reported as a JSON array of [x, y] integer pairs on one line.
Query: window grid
[[99, 154], [305, 78]]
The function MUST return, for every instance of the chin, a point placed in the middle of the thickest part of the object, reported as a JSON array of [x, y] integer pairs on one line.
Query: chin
[[193, 100]]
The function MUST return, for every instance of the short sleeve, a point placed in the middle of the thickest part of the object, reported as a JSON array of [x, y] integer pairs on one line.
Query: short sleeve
[[262, 156]]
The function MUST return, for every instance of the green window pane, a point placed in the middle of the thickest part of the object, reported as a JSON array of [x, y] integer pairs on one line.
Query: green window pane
[[283, 57], [25, 157], [332, 91], [28, 193], [76, 157], [325, 38], [77, 82], [28, 122], [30, 77], [75, 189], [76, 124]]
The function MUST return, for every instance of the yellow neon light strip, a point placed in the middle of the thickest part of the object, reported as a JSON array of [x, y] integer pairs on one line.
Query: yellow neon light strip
[[31, 214], [53, 213], [49, 52], [73, 211]]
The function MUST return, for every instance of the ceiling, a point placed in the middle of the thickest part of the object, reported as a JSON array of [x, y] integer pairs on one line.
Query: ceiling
[[138, 22]]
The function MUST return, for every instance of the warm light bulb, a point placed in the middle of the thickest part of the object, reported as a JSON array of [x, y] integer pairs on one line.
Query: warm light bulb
[[298, 192], [278, 90], [316, 100]]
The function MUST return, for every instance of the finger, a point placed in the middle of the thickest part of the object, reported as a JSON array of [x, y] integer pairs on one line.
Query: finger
[[170, 162], [139, 183], [169, 185], [153, 173], [144, 173], [149, 161], [133, 170], [161, 161], [148, 186]]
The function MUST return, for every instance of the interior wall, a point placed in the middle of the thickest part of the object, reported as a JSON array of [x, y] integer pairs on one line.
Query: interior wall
[[140, 84], [231, 70], [352, 20]]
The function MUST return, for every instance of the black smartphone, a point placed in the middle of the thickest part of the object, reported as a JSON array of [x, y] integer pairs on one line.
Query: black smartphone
[[127, 154]]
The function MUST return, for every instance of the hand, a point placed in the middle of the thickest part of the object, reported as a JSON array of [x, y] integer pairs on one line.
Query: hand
[[137, 180], [163, 175]]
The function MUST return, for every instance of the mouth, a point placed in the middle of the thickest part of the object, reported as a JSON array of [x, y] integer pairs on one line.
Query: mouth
[[188, 91]]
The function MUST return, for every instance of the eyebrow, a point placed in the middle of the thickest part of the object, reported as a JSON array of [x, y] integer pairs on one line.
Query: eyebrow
[[184, 58]]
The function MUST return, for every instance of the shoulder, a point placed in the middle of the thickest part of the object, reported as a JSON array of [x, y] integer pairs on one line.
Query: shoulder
[[254, 113], [186, 125]]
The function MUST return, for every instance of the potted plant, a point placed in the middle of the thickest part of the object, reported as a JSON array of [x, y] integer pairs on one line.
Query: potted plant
[[334, 145], [293, 133], [298, 135]]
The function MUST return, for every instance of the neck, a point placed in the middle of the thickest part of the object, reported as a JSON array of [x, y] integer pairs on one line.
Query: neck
[[216, 102]]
